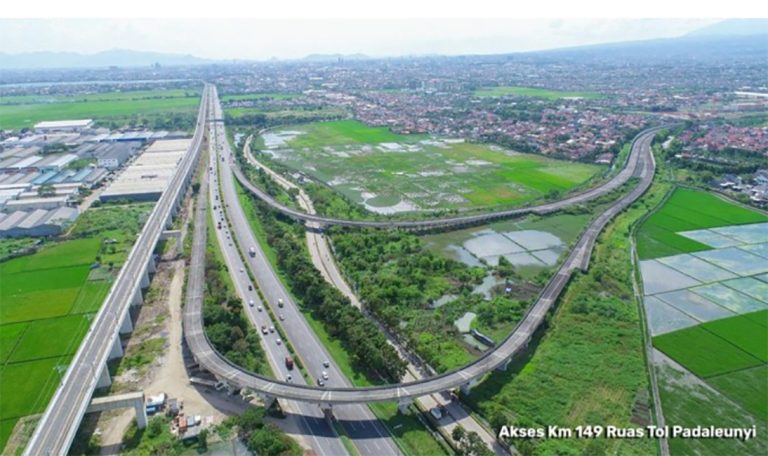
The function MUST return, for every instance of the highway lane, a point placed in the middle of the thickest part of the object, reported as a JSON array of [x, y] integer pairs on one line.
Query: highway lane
[[639, 164], [366, 432], [57, 426], [315, 428], [615, 182]]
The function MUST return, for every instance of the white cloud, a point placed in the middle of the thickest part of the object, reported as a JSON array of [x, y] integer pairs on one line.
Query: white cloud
[[261, 39]]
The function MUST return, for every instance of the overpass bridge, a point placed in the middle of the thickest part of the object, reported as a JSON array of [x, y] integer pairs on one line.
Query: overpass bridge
[[640, 164], [87, 370], [454, 222]]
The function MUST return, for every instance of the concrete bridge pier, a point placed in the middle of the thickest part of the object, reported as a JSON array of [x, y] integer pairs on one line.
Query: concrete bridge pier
[[145, 278], [126, 326], [467, 387], [267, 400], [117, 349], [152, 265], [104, 379], [173, 234], [403, 404], [132, 400], [503, 366], [327, 411], [138, 298]]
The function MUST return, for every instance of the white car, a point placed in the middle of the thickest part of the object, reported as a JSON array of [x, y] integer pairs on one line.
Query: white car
[[278, 341], [282, 317], [271, 329], [289, 378], [250, 303], [325, 375], [259, 309]]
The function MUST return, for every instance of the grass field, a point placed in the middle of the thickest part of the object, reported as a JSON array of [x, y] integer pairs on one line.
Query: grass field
[[48, 299], [20, 112], [533, 92], [258, 96], [283, 115], [422, 173], [342, 132], [688, 210]]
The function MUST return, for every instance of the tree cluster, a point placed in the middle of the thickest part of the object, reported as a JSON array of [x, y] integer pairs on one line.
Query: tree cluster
[[260, 437], [226, 328]]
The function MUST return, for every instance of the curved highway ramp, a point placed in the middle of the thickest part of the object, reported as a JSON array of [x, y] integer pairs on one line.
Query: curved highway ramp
[[640, 164]]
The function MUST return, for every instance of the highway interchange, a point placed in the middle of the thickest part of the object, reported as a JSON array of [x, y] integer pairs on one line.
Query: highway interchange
[[639, 164]]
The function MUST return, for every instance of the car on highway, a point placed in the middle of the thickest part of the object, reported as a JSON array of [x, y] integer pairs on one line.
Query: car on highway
[[282, 317], [326, 363], [250, 303], [241, 269], [271, 329], [320, 382], [250, 287], [280, 302], [289, 378], [264, 329], [325, 375], [259, 309], [279, 341]]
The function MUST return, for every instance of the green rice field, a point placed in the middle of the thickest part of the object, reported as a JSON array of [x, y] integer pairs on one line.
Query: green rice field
[[747, 388], [533, 92], [686, 210], [55, 291], [25, 111], [389, 172], [716, 347]]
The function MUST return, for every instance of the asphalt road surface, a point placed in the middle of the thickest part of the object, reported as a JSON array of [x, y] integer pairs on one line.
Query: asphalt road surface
[[367, 433]]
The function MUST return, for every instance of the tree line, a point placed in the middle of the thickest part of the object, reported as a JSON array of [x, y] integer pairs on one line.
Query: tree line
[[360, 337]]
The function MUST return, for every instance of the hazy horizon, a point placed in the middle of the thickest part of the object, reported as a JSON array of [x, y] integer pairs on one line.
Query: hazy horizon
[[255, 39]]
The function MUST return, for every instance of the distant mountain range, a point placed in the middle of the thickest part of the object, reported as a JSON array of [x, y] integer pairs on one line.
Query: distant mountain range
[[728, 39], [113, 57]]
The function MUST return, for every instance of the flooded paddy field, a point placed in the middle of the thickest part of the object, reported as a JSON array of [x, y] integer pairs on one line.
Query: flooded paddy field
[[707, 309]]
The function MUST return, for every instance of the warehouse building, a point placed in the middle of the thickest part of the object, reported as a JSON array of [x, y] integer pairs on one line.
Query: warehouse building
[[116, 155], [37, 223], [36, 203], [147, 177], [63, 125]]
